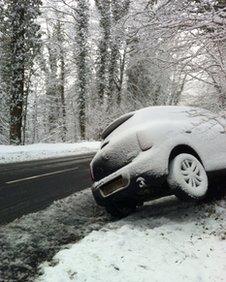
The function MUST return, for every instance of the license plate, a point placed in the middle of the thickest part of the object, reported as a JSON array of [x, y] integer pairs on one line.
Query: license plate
[[113, 186]]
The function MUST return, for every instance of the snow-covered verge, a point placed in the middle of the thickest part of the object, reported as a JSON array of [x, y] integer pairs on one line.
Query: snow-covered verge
[[166, 241], [34, 238], [9, 154]]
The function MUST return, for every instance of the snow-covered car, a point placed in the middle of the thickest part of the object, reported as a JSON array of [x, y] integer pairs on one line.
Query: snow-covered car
[[155, 152]]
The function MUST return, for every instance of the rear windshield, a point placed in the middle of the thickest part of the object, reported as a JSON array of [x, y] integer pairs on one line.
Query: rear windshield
[[116, 124]]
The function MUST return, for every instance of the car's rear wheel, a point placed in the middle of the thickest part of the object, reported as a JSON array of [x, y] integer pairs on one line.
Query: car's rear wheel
[[187, 178], [120, 210]]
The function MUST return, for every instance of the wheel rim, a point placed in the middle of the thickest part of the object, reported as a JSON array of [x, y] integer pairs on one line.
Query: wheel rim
[[192, 173]]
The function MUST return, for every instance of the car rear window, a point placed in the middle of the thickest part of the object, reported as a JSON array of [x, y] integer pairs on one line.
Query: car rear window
[[116, 124]]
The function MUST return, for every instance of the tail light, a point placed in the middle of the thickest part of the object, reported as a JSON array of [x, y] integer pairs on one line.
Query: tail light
[[144, 140]]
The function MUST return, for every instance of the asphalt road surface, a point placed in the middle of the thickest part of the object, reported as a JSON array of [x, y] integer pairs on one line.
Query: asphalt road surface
[[30, 186]]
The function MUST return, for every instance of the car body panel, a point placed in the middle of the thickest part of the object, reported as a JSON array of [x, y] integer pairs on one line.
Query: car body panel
[[143, 143]]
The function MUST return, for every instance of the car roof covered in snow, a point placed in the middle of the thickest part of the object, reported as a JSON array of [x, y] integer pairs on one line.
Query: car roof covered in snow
[[170, 112], [156, 115]]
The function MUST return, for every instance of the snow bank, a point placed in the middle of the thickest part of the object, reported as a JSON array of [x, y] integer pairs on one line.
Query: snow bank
[[164, 242], [39, 151]]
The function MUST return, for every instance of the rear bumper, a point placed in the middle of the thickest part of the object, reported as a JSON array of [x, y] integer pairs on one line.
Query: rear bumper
[[124, 185]]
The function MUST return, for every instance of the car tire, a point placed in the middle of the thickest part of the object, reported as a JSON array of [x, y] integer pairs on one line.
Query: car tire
[[120, 210], [187, 178]]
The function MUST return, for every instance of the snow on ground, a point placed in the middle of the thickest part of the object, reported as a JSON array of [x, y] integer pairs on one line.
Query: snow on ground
[[36, 237], [166, 241], [9, 154]]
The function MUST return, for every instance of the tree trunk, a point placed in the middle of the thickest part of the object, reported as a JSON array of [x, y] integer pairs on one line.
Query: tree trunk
[[82, 40], [82, 93], [121, 76], [17, 81], [103, 52], [62, 96]]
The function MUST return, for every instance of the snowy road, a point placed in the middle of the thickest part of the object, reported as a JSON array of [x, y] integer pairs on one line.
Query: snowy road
[[32, 185]]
